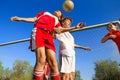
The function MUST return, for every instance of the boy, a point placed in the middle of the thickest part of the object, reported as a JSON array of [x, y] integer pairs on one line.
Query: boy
[[114, 34], [42, 41], [66, 51]]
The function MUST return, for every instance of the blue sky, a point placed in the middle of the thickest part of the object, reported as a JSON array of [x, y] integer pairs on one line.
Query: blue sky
[[90, 11]]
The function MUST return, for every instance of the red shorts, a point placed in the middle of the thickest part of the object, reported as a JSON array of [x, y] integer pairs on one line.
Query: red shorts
[[41, 38]]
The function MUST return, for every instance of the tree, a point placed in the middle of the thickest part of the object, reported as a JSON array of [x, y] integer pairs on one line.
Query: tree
[[107, 70], [1, 70], [77, 75], [4, 73], [22, 70]]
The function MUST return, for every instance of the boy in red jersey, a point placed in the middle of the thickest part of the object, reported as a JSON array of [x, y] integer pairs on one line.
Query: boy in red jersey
[[42, 41], [114, 34]]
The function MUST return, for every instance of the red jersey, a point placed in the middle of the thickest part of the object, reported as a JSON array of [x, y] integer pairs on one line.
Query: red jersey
[[46, 21], [117, 39]]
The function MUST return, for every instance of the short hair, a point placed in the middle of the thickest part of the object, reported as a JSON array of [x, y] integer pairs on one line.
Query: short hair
[[69, 18], [111, 24], [61, 17]]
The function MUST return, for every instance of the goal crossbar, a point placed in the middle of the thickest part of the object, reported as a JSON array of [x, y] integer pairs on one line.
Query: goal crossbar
[[95, 26], [14, 42], [84, 28]]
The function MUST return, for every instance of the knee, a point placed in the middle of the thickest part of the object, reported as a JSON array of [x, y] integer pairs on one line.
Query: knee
[[54, 68], [54, 65], [40, 61]]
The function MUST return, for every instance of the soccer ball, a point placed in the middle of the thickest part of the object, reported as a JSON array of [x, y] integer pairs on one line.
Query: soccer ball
[[68, 5]]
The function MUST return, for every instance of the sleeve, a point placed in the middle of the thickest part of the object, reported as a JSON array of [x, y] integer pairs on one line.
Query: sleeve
[[107, 35], [59, 37], [57, 22], [40, 13], [58, 25]]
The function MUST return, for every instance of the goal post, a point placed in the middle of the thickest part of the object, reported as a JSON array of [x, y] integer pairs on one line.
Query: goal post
[[96, 26], [84, 28], [14, 42]]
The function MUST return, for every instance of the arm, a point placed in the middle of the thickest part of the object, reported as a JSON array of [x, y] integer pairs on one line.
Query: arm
[[61, 29], [79, 25], [82, 47], [107, 38], [16, 18], [67, 29], [104, 39]]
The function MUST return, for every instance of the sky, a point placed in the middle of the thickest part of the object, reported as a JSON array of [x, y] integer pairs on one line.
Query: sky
[[91, 12]]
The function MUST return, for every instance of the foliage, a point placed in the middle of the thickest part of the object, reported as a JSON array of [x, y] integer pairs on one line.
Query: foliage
[[4, 73], [77, 75], [107, 70], [22, 70]]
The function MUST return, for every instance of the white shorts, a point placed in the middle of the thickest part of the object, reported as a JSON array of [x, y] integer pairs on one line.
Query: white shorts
[[67, 64]]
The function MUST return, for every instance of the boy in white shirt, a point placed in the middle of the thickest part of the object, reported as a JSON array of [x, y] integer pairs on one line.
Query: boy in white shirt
[[66, 51]]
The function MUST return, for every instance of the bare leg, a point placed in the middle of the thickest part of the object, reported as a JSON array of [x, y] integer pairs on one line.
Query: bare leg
[[46, 77], [40, 58], [72, 75], [51, 58], [40, 62], [47, 70], [65, 76]]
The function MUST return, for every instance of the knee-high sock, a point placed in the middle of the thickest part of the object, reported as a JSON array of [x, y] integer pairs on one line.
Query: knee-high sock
[[38, 75], [55, 76]]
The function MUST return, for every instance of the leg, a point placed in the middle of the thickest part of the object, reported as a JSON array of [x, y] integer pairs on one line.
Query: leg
[[40, 62], [72, 75], [46, 77], [65, 76], [51, 58], [65, 66], [46, 70]]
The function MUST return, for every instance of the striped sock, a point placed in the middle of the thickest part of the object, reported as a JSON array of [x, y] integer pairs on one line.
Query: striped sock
[[55, 76], [38, 75]]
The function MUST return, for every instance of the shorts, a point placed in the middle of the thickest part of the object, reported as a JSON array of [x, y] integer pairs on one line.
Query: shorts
[[41, 38], [67, 64]]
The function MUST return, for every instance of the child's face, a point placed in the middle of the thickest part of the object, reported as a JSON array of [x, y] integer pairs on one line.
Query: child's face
[[111, 27], [66, 23]]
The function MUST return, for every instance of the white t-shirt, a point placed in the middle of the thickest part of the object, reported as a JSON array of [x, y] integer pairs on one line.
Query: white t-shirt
[[66, 44]]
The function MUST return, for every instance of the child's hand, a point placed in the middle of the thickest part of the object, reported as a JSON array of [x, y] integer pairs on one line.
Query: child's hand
[[87, 48], [15, 18], [80, 25]]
